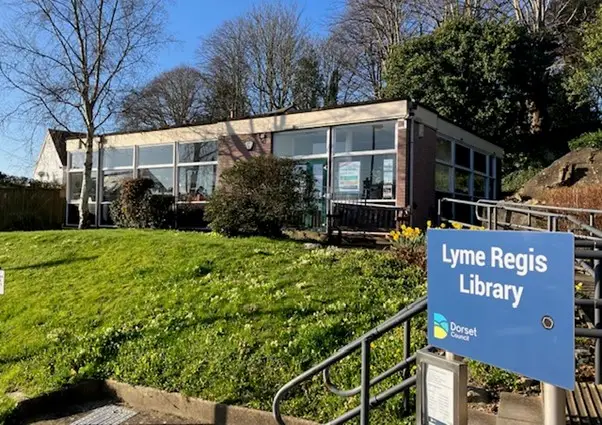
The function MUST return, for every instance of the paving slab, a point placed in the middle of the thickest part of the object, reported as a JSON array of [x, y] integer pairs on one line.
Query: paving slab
[[519, 409]]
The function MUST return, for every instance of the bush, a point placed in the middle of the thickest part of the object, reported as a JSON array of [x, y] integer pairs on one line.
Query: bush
[[136, 207], [514, 181], [260, 196], [587, 140]]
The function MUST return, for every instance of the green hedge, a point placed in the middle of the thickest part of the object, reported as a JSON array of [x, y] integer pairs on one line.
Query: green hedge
[[587, 140]]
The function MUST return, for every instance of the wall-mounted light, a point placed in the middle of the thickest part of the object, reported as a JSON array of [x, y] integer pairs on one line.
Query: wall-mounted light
[[249, 145]]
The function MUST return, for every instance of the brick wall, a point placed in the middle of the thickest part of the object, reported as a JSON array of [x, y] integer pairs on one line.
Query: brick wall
[[425, 204], [233, 148], [402, 163]]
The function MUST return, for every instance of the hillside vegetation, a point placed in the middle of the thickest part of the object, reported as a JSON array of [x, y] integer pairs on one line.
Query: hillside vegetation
[[228, 320]]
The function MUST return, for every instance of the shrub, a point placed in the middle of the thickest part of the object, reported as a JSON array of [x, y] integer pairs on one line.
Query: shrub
[[137, 207], [514, 181], [587, 140], [260, 196]]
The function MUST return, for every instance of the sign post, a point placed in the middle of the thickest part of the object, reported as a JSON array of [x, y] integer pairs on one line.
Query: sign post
[[506, 299]]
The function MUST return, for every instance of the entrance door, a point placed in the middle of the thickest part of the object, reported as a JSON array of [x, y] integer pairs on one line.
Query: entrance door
[[318, 169]]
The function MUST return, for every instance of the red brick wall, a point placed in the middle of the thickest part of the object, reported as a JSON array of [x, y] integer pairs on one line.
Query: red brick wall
[[402, 163], [425, 205], [232, 148]]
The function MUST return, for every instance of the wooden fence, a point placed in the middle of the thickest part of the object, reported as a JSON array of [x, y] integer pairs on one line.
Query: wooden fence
[[31, 208]]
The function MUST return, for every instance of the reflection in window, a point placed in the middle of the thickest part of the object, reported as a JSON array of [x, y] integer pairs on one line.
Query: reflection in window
[[117, 157], [365, 177], [75, 187], [77, 159], [365, 137], [443, 178], [111, 183], [462, 156], [462, 182], [196, 183], [300, 143], [155, 155], [197, 152], [479, 186], [162, 179], [444, 150]]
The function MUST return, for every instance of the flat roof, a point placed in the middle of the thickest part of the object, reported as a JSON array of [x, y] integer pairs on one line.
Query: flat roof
[[378, 110]]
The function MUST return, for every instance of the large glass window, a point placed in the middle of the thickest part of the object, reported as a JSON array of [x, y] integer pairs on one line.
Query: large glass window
[[155, 155], [162, 179], [462, 156], [443, 178], [75, 187], [365, 177], [111, 183], [365, 137], [480, 162], [197, 152], [117, 157], [300, 143], [444, 150], [196, 182]]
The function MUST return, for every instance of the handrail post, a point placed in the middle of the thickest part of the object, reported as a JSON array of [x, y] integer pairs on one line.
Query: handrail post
[[365, 375], [406, 355], [597, 296]]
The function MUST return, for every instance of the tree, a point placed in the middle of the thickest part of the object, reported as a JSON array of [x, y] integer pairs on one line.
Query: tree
[[173, 98], [71, 60], [225, 70], [586, 78], [480, 74], [308, 85]]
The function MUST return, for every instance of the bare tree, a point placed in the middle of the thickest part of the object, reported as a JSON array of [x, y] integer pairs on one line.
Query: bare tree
[[226, 73], [538, 15], [173, 98], [432, 13], [276, 42], [72, 59], [366, 31]]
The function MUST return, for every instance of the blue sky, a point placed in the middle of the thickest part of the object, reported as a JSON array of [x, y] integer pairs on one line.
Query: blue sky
[[189, 21]]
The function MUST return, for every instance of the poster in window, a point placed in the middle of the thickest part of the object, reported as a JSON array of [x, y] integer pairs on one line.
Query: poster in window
[[349, 176], [388, 191], [388, 171]]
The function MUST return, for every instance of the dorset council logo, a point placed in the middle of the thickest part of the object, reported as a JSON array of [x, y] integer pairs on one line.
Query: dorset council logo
[[441, 328]]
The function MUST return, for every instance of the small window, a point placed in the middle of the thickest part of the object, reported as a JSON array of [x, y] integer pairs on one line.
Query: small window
[[462, 156], [480, 162], [444, 151], [155, 155], [197, 152], [117, 157]]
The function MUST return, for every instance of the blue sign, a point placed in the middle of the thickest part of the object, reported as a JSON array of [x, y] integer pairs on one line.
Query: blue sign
[[505, 298]]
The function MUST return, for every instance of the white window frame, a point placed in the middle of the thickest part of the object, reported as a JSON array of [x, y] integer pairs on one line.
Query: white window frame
[[177, 165]]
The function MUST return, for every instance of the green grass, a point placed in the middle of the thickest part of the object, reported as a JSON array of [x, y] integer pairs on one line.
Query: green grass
[[228, 320]]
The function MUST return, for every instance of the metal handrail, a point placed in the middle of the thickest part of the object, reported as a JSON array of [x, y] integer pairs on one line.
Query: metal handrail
[[539, 206], [363, 342]]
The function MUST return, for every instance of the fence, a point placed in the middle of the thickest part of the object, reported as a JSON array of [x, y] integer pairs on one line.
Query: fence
[[31, 208]]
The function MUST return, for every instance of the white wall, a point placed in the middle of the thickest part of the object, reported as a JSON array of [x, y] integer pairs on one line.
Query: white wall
[[49, 167]]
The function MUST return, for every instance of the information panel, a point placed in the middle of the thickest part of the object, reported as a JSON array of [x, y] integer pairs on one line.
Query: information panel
[[505, 298]]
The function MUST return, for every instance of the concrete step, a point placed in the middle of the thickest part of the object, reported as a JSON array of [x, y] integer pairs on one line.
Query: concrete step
[[516, 409], [477, 417]]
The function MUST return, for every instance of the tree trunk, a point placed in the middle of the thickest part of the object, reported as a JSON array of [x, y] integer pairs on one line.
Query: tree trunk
[[84, 213], [538, 107]]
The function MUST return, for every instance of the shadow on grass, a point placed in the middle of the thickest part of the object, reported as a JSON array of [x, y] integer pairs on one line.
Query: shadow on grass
[[52, 263]]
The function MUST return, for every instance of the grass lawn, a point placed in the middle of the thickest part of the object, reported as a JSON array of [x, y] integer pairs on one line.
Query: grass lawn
[[228, 320]]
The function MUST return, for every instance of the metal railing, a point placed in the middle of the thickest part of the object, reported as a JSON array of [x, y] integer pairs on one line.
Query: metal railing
[[588, 249], [367, 401]]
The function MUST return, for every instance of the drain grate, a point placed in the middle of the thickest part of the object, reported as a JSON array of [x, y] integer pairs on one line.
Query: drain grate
[[106, 415]]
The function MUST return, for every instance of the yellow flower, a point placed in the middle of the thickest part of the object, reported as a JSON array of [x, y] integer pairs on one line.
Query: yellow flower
[[456, 226], [579, 286], [428, 223], [443, 225]]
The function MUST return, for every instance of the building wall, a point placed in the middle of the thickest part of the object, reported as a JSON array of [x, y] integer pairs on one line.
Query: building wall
[[233, 148], [49, 167], [424, 175]]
